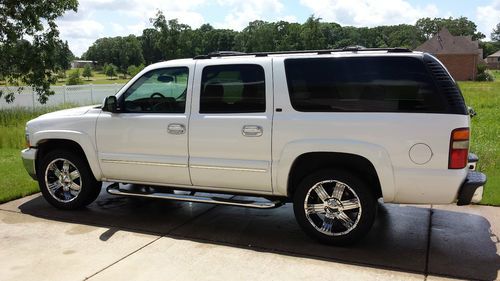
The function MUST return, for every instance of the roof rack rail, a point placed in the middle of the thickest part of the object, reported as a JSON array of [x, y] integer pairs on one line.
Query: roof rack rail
[[220, 54], [319, 52]]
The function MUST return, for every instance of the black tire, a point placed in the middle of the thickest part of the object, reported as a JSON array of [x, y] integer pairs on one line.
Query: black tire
[[335, 228], [63, 195]]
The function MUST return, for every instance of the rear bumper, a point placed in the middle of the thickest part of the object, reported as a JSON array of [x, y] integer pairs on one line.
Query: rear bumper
[[473, 181], [29, 158]]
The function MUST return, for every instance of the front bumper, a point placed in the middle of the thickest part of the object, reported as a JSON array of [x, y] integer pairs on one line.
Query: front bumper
[[29, 158]]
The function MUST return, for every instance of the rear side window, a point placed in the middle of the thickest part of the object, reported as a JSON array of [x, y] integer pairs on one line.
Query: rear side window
[[362, 84], [238, 88]]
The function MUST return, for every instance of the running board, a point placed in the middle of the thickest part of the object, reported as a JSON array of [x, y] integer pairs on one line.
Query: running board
[[114, 189]]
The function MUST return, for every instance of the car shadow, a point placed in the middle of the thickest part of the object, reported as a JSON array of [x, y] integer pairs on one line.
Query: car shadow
[[461, 245]]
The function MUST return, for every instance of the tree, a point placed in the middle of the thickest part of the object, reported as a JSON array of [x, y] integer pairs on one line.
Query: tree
[[133, 70], [311, 34], [74, 77], [120, 51], [461, 26], [175, 39], [149, 44], [87, 71], [495, 35], [63, 56], [29, 40], [110, 70]]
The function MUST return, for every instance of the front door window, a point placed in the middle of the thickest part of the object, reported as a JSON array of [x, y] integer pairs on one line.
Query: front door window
[[158, 91]]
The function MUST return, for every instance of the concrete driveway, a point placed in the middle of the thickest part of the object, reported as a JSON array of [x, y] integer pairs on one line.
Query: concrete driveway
[[119, 238]]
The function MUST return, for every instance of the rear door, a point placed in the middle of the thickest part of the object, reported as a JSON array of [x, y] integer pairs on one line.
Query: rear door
[[230, 125]]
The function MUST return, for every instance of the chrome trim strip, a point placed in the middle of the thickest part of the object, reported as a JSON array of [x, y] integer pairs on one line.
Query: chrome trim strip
[[184, 166], [228, 168], [143, 163]]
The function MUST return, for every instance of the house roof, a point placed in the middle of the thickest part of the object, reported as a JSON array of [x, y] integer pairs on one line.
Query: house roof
[[445, 43], [494, 55]]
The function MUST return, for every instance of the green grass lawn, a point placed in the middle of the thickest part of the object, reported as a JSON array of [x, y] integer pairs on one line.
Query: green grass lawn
[[98, 78], [484, 97], [14, 182]]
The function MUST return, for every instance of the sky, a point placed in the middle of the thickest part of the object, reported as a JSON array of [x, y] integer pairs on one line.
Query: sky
[[107, 18]]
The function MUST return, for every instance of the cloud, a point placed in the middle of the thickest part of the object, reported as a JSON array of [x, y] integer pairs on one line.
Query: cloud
[[369, 13], [80, 29], [488, 17], [80, 34], [243, 12], [109, 18]]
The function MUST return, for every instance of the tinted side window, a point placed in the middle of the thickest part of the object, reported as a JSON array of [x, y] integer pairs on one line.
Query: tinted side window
[[158, 91], [236, 88], [369, 84]]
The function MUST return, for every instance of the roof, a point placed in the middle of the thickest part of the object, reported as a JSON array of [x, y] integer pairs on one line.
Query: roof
[[494, 55], [445, 43]]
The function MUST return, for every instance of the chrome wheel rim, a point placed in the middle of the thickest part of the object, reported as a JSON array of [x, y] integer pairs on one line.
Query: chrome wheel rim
[[63, 180], [332, 207]]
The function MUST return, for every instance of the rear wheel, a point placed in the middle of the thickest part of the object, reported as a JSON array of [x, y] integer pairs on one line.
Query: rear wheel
[[66, 181], [334, 206]]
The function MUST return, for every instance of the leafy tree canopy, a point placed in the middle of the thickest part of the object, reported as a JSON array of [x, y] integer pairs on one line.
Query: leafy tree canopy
[[120, 51], [495, 35], [87, 71], [29, 44], [461, 26]]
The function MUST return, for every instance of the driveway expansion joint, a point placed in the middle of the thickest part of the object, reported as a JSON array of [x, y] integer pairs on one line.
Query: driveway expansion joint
[[151, 242], [428, 247]]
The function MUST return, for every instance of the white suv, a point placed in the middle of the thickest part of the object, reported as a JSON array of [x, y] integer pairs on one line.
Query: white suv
[[331, 131]]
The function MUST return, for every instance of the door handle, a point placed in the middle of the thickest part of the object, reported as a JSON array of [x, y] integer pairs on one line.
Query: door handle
[[176, 129], [252, 131]]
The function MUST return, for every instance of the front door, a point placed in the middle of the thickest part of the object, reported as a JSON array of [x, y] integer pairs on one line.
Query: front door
[[230, 125], [146, 141]]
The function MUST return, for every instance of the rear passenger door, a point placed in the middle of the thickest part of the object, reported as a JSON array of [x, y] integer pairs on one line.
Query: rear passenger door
[[230, 125]]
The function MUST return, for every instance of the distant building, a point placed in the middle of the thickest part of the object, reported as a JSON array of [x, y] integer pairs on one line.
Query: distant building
[[493, 60], [459, 54], [82, 63]]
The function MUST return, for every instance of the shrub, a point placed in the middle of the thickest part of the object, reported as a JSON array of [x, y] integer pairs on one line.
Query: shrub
[[87, 71], [61, 74], [74, 78], [110, 70], [483, 74]]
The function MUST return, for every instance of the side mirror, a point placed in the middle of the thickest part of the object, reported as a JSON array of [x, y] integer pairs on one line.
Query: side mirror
[[471, 111], [110, 104]]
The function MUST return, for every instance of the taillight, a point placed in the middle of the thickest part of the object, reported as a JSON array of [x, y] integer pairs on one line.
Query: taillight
[[459, 148]]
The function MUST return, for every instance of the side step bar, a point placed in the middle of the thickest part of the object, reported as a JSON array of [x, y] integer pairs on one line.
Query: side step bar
[[114, 189]]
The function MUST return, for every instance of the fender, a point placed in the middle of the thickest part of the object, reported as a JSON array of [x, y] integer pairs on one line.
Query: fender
[[376, 154], [82, 139]]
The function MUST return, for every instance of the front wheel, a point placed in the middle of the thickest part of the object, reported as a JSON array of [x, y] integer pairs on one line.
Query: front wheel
[[334, 206], [66, 181]]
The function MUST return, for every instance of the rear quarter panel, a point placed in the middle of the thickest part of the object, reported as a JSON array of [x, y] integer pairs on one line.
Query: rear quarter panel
[[383, 138]]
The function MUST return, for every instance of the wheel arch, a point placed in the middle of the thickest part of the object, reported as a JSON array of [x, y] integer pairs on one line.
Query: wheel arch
[[310, 162], [74, 141], [299, 159]]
